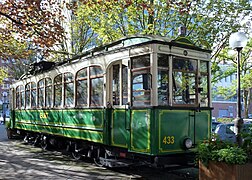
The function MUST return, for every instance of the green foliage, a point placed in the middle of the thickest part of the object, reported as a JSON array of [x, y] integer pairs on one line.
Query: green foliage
[[25, 20], [209, 23], [7, 124], [230, 69], [220, 151], [225, 120], [247, 139], [3, 74], [232, 155]]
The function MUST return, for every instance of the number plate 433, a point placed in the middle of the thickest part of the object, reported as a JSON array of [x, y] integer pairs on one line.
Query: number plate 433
[[168, 140]]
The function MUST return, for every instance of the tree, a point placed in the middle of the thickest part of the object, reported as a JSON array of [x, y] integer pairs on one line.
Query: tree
[[79, 36], [3, 74], [246, 75], [209, 23], [29, 22]]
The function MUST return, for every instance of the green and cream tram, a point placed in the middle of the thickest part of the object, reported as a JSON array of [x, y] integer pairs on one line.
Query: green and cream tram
[[141, 97]]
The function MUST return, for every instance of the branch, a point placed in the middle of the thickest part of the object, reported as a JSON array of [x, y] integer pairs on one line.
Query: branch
[[10, 18]]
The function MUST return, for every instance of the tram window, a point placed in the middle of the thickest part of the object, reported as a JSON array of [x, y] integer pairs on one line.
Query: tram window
[[69, 89], [96, 86], [28, 95], [184, 81], [97, 91], [41, 93], [18, 97], [33, 94], [125, 84], [48, 92], [120, 84], [140, 62], [203, 84], [163, 79], [22, 96], [141, 81], [95, 71], [141, 89], [116, 84], [58, 90], [82, 87]]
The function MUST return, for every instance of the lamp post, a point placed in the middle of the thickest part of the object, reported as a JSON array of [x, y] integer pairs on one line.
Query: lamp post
[[238, 41]]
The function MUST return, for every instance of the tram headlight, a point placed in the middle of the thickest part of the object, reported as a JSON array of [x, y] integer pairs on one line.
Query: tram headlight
[[188, 143]]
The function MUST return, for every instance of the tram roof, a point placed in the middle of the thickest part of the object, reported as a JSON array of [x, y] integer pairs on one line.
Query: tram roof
[[135, 40], [140, 39], [127, 41]]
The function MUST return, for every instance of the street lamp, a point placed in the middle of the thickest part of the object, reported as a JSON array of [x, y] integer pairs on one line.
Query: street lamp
[[238, 41]]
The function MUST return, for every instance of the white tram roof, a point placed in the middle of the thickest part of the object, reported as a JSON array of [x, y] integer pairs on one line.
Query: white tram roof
[[140, 39], [125, 42]]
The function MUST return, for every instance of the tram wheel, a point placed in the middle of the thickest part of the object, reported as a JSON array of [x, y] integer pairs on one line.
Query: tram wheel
[[76, 153], [44, 143], [97, 160], [36, 141]]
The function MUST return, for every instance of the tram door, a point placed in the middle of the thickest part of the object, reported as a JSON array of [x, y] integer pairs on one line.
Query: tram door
[[118, 100]]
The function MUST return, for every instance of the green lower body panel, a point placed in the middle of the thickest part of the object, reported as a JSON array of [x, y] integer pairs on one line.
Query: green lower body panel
[[120, 130], [174, 126], [141, 131], [164, 131], [78, 124], [150, 131]]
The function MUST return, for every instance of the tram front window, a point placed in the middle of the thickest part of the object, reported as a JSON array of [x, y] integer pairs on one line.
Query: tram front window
[[141, 81], [119, 84], [141, 89], [203, 84], [184, 81], [163, 79]]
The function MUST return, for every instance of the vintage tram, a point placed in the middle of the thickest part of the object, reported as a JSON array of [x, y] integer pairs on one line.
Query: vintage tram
[[139, 98]]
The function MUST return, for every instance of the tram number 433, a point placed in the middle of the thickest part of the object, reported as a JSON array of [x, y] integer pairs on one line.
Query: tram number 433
[[168, 140]]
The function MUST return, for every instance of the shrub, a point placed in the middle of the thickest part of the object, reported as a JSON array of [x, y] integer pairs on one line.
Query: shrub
[[220, 151]]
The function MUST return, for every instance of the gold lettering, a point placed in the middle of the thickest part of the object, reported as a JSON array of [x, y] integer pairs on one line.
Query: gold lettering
[[43, 115]]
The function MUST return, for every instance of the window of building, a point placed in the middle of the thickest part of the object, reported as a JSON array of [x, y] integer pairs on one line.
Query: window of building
[[5, 86]]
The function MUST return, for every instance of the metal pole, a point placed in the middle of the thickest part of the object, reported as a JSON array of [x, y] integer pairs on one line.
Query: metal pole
[[238, 121]]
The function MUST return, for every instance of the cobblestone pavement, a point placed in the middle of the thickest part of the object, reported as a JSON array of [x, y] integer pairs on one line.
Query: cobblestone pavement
[[20, 161]]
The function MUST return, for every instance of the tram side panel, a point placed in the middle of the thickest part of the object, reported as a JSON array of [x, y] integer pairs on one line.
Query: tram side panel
[[76, 124], [163, 132], [175, 126], [85, 124], [42, 121], [140, 134], [120, 128]]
